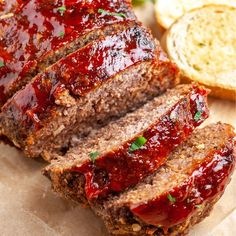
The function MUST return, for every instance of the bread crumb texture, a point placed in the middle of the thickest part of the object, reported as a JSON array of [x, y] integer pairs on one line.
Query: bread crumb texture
[[202, 43]]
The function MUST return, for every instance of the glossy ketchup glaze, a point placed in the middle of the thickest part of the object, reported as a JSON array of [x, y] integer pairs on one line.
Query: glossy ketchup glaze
[[38, 28], [81, 72], [119, 169], [207, 182]]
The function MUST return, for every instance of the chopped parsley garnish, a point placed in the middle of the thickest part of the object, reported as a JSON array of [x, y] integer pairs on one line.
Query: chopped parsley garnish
[[2, 64], [171, 198], [93, 156], [61, 34], [61, 9], [137, 144], [198, 116], [198, 206], [104, 12]]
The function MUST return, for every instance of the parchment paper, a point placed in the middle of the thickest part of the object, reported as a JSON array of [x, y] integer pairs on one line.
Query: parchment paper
[[29, 207]]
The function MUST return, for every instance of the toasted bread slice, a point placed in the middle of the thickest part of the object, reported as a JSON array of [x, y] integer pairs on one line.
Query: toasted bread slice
[[168, 11], [202, 43]]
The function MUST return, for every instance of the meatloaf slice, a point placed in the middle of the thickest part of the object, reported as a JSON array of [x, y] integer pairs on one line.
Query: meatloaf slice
[[119, 155], [181, 193], [40, 32], [104, 79]]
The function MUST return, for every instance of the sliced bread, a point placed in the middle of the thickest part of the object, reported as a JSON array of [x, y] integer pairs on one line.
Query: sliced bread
[[202, 43], [168, 11]]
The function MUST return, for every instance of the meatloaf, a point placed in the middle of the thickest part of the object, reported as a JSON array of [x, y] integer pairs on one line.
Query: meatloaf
[[181, 193], [119, 155], [40, 32], [104, 79]]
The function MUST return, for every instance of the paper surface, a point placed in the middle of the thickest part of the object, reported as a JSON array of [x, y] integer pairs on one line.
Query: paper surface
[[29, 207]]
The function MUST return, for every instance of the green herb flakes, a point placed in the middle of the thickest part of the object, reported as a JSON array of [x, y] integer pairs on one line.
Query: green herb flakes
[[137, 144], [104, 12], [2, 64], [171, 198], [62, 9], [93, 156], [61, 34], [198, 206], [198, 116]]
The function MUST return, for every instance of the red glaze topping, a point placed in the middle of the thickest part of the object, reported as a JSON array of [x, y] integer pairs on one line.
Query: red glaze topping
[[207, 182], [117, 170], [81, 72], [40, 27]]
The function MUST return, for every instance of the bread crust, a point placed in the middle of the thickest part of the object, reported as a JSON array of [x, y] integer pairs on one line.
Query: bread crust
[[166, 15]]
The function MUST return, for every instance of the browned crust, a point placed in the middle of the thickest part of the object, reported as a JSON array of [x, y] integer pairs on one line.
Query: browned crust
[[68, 185]]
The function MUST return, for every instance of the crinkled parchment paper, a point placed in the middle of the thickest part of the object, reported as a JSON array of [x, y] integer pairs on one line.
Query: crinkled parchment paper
[[29, 207]]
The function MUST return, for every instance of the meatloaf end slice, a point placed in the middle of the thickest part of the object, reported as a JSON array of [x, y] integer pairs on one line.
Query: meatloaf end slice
[[102, 80], [181, 193], [124, 152], [41, 32]]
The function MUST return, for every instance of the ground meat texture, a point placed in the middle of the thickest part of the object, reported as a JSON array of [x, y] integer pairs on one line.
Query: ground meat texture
[[181, 193], [163, 124], [72, 97], [40, 32]]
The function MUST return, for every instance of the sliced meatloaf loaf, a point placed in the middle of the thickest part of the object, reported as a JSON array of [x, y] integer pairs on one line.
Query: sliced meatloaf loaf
[[181, 193], [40, 32], [119, 155], [104, 79]]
